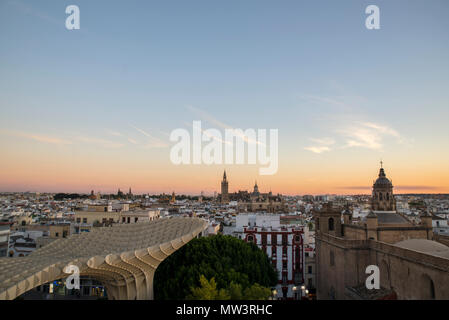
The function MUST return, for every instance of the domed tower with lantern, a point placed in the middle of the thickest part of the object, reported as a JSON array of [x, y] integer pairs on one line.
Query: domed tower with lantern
[[383, 198]]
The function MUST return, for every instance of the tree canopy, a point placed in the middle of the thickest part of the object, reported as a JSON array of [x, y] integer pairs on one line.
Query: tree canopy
[[208, 291], [218, 267]]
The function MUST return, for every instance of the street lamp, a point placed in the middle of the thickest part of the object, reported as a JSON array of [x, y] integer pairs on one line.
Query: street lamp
[[295, 293], [303, 289], [274, 294]]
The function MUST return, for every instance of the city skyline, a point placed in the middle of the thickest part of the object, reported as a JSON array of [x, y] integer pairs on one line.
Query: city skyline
[[359, 190], [93, 108]]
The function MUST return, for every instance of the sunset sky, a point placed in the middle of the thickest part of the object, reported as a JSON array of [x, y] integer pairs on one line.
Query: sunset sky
[[94, 108]]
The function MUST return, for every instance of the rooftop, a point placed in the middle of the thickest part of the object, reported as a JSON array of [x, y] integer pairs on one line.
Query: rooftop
[[425, 246]]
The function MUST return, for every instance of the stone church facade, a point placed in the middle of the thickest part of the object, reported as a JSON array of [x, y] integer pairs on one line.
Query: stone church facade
[[412, 264]]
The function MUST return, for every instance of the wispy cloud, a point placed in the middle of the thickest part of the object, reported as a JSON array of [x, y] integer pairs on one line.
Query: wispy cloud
[[430, 188], [325, 101], [38, 137], [355, 188], [101, 142], [397, 188], [42, 15], [322, 145], [114, 133], [356, 134], [207, 117], [27, 9], [368, 135], [153, 142], [209, 135], [317, 149]]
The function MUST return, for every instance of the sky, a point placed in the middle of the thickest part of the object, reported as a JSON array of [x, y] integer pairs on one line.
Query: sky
[[93, 109]]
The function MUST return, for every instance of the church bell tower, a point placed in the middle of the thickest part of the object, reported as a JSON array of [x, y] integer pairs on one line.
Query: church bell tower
[[224, 189], [383, 198]]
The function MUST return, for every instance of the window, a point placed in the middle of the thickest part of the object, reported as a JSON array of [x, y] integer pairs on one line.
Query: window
[[57, 234], [274, 239], [250, 238], [284, 240], [284, 264], [284, 292], [432, 290], [309, 269], [84, 220], [264, 239], [331, 224], [78, 220]]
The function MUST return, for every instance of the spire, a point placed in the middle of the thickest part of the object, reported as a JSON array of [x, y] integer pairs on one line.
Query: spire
[[224, 175], [381, 171]]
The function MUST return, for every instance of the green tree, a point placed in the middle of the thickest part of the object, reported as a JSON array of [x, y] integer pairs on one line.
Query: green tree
[[235, 291], [310, 225], [208, 291], [256, 292], [226, 259]]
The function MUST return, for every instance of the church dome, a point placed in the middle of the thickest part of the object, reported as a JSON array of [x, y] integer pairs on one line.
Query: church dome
[[382, 181]]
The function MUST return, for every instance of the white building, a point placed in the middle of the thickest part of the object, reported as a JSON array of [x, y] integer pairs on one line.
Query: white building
[[284, 245], [4, 238], [440, 225]]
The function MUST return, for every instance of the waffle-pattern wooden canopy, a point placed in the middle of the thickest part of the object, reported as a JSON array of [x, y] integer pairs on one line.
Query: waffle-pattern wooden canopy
[[123, 257]]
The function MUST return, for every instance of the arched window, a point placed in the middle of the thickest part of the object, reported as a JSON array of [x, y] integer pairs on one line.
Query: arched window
[[380, 196], [331, 224], [432, 290], [388, 196], [428, 287]]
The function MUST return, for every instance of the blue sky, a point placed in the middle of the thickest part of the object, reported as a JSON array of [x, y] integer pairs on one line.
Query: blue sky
[[339, 93]]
